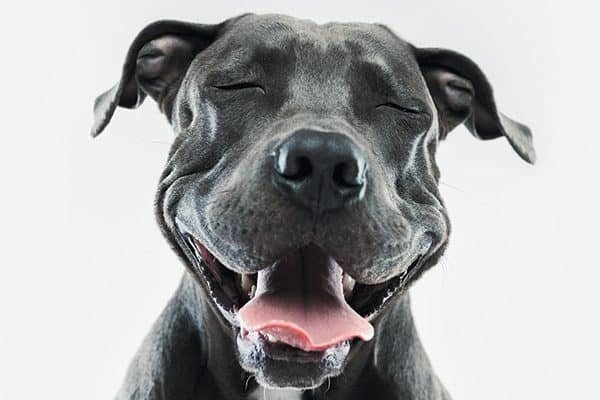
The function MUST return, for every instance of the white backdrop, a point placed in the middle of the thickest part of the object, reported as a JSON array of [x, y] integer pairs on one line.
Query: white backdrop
[[510, 313]]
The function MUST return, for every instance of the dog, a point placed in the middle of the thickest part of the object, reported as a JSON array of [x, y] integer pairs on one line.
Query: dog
[[301, 193]]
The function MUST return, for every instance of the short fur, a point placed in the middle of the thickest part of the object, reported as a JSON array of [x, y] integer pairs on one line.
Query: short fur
[[395, 101]]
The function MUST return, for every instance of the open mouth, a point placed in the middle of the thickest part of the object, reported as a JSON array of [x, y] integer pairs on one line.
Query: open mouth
[[303, 303]]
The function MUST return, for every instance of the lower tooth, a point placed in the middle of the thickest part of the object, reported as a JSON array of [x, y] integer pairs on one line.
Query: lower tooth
[[271, 338]]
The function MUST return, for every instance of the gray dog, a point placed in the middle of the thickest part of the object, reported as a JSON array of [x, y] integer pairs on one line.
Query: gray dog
[[301, 192]]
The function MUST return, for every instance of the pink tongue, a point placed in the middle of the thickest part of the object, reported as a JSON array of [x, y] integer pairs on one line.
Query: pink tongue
[[299, 300]]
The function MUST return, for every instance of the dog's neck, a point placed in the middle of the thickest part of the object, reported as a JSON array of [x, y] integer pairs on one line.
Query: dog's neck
[[367, 358]]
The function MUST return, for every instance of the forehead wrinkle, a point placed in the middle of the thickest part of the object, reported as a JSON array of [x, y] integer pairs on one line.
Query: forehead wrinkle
[[323, 59], [319, 80]]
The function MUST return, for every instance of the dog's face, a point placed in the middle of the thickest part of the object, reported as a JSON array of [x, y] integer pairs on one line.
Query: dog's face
[[302, 188]]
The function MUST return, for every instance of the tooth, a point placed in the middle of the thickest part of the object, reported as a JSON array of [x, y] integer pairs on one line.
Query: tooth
[[246, 283], [271, 338], [252, 291], [348, 284]]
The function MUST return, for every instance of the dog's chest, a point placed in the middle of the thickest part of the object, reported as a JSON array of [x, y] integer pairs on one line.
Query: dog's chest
[[275, 394]]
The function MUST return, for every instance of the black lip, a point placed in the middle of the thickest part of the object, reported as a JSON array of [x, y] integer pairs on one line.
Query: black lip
[[200, 269], [367, 300], [369, 307]]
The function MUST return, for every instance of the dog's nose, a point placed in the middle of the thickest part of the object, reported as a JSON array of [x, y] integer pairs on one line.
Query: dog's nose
[[323, 171]]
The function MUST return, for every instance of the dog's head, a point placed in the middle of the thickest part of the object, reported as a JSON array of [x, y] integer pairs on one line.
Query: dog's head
[[301, 189]]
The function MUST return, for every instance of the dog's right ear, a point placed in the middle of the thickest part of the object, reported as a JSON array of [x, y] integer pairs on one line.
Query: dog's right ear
[[155, 65]]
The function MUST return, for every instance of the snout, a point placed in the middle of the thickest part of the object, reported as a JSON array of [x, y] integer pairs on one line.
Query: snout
[[321, 171], [280, 277]]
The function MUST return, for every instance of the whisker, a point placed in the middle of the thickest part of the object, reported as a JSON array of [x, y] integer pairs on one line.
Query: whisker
[[154, 142], [451, 186], [247, 382]]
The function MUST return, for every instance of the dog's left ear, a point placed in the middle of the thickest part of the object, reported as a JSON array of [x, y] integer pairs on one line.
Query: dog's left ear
[[462, 94], [155, 65]]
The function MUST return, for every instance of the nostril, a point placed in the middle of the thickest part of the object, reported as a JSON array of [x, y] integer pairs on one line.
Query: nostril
[[344, 175], [301, 169], [349, 174], [292, 168]]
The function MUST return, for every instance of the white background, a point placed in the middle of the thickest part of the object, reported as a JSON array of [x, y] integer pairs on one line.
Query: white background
[[511, 312]]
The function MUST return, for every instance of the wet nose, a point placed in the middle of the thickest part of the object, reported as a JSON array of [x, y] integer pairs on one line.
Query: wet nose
[[323, 171]]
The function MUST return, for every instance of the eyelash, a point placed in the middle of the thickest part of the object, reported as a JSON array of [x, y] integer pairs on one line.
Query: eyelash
[[407, 110], [240, 86]]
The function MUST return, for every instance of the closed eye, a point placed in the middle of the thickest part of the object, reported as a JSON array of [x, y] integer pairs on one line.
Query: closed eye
[[405, 109], [240, 86]]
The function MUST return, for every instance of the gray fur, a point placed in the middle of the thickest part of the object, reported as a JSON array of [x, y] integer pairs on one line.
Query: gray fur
[[396, 102]]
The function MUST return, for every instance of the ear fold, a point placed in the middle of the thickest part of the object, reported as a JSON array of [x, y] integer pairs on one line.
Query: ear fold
[[155, 64], [462, 94]]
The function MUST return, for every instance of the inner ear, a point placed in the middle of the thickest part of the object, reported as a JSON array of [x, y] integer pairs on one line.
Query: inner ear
[[161, 65], [453, 97]]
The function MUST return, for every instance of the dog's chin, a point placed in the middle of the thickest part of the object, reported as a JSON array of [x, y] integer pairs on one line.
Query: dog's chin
[[278, 365], [296, 320]]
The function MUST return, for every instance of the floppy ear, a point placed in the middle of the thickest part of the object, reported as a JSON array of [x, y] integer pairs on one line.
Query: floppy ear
[[155, 65], [462, 94]]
